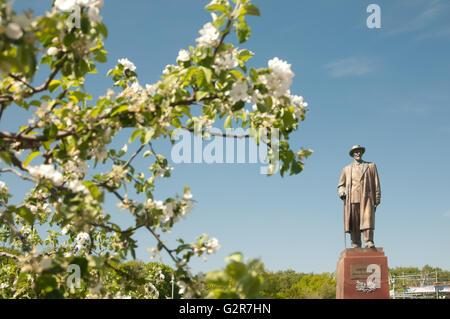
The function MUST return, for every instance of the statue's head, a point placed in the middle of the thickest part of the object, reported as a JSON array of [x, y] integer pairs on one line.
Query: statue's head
[[357, 152]]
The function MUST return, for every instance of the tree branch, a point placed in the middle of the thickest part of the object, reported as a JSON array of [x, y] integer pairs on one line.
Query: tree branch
[[5, 254], [42, 87], [133, 156], [12, 170], [225, 135]]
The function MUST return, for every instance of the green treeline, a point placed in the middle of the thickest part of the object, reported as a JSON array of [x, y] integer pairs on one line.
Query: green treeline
[[289, 284]]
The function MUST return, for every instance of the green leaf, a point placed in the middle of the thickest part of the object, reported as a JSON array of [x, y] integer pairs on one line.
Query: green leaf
[[288, 119], [119, 109], [227, 123], [30, 157], [217, 7], [135, 134], [238, 106], [103, 30], [26, 214], [200, 95], [237, 74], [201, 78], [100, 58], [251, 9], [296, 167], [243, 31], [54, 85], [145, 138], [85, 25], [217, 277], [236, 270], [45, 284], [69, 39], [234, 257], [208, 74], [176, 122], [244, 55]]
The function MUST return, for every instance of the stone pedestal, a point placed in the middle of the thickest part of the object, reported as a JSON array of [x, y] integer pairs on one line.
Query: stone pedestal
[[362, 273]]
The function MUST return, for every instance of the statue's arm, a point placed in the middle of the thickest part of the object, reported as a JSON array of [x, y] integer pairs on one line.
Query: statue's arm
[[341, 185], [377, 186]]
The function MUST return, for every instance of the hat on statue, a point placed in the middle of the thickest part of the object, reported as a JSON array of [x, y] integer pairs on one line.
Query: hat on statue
[[357, 147]]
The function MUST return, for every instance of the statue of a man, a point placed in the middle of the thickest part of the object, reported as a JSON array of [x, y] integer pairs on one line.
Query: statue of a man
[[359, 188]]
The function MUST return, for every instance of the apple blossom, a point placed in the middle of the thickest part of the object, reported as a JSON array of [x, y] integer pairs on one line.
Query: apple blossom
[[239, 91], [46, 171], [66, 5], [183, 56], [127, 64], [14, 31], [81, 239], [212, 246], [52, 51], [209, 35]]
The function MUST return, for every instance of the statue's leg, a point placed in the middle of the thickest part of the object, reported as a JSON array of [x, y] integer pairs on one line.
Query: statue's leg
[[355, 232], [368, 238]]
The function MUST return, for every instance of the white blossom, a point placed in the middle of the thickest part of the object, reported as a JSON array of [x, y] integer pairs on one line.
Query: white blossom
[[77, 186], [183, 287], [65, 229], [52, 51], [186, 210], [94, 14], [167, 212], [225, 61], [21, 20], [42, 111], [14, 31], [299, 103], [127, 64], [212, 246], [136, 87], [209, 35], [187, 194], [48, 172], [2, 185], [151, 88], [280, 79], [239, 91], [66, 5], [100, 152], [183, 56], [81, 239]]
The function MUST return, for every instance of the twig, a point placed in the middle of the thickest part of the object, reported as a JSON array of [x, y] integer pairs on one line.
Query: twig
[[222, 39], [218, 134], [169, 251], [133, 156], [42, 87], [5, 254], [12, 170]]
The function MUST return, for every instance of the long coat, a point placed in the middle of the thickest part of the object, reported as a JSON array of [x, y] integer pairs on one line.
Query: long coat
[[370, 195]]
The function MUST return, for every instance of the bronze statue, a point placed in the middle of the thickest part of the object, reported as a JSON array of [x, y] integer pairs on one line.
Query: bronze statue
[[359, 188]]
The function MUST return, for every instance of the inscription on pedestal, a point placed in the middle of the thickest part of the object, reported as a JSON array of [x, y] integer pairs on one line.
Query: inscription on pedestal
[[358, 272]]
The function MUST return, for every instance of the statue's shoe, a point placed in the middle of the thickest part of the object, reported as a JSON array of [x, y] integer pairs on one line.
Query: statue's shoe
[[356, 245], [369, 244]]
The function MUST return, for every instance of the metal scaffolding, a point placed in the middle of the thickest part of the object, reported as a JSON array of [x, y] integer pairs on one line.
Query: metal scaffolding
[[419, 286]]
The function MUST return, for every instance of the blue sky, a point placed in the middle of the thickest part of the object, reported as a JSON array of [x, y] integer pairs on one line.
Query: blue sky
[[386, 89]]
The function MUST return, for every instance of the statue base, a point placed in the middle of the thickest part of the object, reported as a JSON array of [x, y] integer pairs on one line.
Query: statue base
[[362, 273]]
